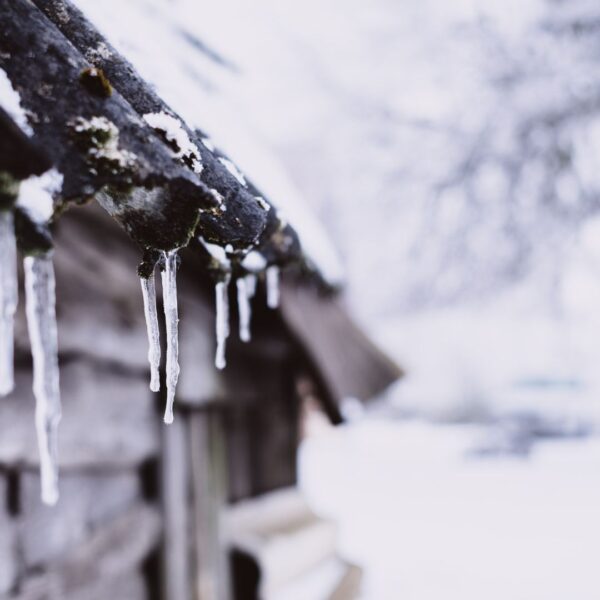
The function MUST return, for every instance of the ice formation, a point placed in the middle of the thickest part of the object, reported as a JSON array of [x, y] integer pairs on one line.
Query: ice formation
[[169, 287], [222, 321], [149, 295], [250, 285], [36, 195], [272, 275], [41, 323], [8, 300], [244, 309]]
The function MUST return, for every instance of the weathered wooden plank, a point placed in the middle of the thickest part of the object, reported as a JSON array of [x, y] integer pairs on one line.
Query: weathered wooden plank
[[344, 362], [267, 420], [209, 497], [176, 511], [101, 408], [8, 547], [109, 556], [47, 534]]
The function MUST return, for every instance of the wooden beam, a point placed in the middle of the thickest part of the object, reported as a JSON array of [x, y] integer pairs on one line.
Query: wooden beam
[[209, 498], [112, 551], [175, 500]]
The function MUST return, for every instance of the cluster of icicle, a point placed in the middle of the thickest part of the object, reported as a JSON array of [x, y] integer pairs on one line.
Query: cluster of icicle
[[246, 289], [41, 324], [169, 286]]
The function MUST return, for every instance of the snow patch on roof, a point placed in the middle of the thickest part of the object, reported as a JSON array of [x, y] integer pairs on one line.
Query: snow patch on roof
[[106, 146], [263, 203], [175, 133], [36, 195], [11, 103], [219, 198]]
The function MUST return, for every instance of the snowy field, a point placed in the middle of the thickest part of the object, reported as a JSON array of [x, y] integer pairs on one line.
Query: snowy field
[[429, 520]]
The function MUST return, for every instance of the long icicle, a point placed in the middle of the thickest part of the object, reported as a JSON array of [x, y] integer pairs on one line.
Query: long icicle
[[244, 310], [272, 286], [8, 300], [150, 312], [169, 287], [41, 323], [222, 321]]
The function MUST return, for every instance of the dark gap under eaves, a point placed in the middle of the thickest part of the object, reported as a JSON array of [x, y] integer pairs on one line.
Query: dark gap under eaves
[[13, 493]]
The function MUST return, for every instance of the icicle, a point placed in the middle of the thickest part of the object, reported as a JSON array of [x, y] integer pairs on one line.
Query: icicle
[[41, 323], [169, 287], [251, 285], [222, 321], [226, 303], [273, 286], [244, 309], [8, 300], [149, 295]]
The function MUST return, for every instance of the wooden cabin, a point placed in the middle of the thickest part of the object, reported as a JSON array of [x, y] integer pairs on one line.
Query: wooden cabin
[[206, 508]]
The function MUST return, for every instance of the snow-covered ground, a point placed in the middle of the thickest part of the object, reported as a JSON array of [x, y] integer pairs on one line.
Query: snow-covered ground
[[429, 520]]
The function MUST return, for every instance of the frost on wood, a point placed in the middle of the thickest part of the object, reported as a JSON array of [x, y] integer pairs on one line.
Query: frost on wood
[[41, 323], [169, 287], [8, 300], [149, 295], [272, 275], [222, 321], [176, 135], [244, 309]]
